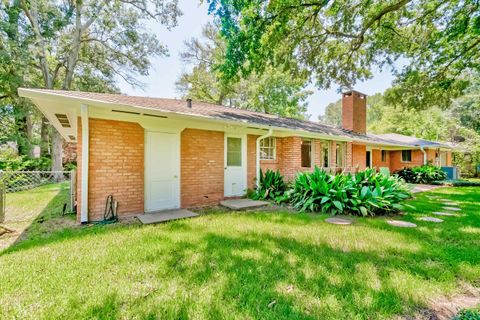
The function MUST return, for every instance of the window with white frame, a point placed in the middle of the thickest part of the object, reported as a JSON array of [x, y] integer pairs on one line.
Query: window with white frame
[[306, 153], [267, 148], [340, 154], [325, 156], [406, 155]]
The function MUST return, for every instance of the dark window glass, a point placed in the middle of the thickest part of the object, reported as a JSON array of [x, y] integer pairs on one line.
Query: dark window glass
[[325, 154], [306, 153], [406, 155], [384, 155]]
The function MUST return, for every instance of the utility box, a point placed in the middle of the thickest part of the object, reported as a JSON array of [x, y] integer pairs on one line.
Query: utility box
[[452, 172]]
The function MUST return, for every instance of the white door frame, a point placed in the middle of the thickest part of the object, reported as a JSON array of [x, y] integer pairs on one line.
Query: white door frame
[[176, 174], [244, 163]]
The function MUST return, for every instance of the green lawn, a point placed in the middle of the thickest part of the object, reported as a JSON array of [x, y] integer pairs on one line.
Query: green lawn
[[254, 265]]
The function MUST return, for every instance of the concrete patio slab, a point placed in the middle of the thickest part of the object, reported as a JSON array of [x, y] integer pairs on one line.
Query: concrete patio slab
[[401, 224], [242, 204], [164, 216]]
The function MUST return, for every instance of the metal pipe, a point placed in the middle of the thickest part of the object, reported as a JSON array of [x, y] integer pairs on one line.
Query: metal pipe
[[424, 155], [268, 134]]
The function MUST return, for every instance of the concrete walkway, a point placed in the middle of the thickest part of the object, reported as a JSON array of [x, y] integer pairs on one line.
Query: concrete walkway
[[164, 216], [424, 187]]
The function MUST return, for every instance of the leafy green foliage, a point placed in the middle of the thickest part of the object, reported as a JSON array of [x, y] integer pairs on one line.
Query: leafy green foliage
[[341, 42], [457, 183], [273, 91], [364, 193], [422, 174], [466, 314], [271, 186], [25, 163]]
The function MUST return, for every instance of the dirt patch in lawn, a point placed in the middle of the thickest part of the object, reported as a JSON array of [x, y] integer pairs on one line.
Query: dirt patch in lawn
[[444, 308]]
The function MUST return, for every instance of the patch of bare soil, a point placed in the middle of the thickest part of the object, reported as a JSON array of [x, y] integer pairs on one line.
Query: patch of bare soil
[[444, 308]]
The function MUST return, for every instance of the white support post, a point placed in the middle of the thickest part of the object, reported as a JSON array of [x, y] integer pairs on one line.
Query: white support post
[[85, 156]]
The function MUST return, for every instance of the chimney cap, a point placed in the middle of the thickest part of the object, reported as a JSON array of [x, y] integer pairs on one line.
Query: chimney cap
[[189, 103], [350, 92]]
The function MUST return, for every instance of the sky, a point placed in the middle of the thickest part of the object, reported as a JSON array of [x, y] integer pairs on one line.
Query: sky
[[166, 70]]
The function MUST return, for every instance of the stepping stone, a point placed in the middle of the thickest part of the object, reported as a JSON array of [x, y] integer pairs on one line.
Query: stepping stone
[[401, 224], [432, 197], [242, 204], [339, 221], [445, 214], [164, 216], [451, 203], [452, 208], [443, 199], [430, 219]]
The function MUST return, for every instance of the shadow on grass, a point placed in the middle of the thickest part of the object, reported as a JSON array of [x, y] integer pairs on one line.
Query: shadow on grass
[[30, 225], [260, 274]]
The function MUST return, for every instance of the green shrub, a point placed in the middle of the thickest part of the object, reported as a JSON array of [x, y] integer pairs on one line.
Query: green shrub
[[422, 174], [271, 186], [364, 193], [25, 163], [467, 315]]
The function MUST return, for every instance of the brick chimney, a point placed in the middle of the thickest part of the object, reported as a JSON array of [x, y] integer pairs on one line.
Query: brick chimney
[[354, 111]]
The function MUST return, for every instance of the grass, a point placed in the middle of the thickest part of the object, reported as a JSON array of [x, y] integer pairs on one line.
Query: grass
[[35, 213], [257, 265]]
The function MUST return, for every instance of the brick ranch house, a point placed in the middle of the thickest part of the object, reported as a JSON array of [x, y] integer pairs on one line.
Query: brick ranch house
[[155, 154]]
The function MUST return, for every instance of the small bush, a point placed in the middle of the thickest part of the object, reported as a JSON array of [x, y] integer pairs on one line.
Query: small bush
[[24, 163], [271, 186], [467, 315], [422, 174], [365, 193]]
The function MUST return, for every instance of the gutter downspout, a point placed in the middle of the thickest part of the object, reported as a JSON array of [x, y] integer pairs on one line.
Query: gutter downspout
[[424, 155], [257, 158], [84, 167]]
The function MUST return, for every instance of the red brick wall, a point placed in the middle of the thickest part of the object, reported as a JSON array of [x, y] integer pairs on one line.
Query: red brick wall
[[116, 166], [354, 112], [359, 156], [202, 167], [396, 160], [377, 159], [251, 161]]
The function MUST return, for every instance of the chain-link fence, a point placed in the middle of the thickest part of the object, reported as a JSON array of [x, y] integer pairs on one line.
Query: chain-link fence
[[16, 181]]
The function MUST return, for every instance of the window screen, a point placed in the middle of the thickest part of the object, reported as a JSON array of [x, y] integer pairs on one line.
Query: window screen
[[267, 148], [406, 155], [234, 152]]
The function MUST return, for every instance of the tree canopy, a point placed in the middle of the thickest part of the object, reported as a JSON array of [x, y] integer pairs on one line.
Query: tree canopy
[[272, 91], [343, 41]]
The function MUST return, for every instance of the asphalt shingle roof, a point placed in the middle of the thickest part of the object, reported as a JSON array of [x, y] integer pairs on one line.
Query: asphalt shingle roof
[[219, 112]]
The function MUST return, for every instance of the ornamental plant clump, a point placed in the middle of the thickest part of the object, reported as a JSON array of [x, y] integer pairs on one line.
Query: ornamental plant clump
[[271, 186], [365, 193], [422, 174]]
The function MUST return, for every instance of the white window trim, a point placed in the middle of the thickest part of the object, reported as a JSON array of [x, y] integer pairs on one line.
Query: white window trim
[[343, 146], [274, 148], [311, 152], [324, 143]]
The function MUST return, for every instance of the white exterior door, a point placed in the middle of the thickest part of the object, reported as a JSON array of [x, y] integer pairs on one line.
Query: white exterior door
[[235, 165], [162, 171]]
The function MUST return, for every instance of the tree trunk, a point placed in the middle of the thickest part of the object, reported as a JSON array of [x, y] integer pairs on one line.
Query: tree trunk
[[57, 153], [44, 141]]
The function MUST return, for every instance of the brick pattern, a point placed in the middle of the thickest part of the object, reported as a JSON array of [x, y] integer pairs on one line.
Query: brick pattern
[[359, 156], [202, 167], [251, 160], [354, 112], [116, 166], [377, 159], [396, 162]]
